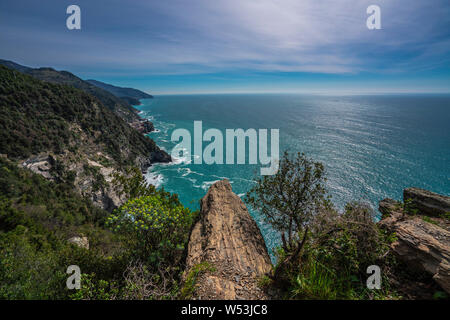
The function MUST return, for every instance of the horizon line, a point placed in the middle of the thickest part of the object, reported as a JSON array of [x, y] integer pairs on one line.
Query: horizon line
[[362, 93]]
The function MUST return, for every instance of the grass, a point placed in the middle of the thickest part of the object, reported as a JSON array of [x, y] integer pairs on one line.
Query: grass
[[188, 288], [315, 282]]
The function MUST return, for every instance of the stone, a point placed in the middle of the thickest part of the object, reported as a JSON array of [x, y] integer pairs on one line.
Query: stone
[[387, 206], [423, 246], [82, 242], [228, 239], [427, 202]]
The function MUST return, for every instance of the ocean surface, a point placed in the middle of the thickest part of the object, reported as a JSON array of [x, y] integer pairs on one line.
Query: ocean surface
[[372, 146]]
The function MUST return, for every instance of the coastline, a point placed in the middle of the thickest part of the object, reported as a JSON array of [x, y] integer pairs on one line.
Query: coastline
[[145, 127]]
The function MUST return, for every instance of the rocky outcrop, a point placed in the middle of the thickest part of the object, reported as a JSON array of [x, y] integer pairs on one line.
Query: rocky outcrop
[[81, 242], [228, 239], [387, 206], [427, 202], [144, 126], [160, 156], [89, 178], [424, 246], [41, 164]]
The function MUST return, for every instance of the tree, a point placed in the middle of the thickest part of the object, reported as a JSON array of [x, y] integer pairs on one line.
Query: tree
[[289, 200]]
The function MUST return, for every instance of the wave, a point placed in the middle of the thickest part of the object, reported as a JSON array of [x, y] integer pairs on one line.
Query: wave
[[186, 159], [154, 178]]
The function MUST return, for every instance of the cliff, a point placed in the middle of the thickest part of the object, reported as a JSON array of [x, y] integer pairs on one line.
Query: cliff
[[422, 232], [227, 239], [119, 106], [65, 134]]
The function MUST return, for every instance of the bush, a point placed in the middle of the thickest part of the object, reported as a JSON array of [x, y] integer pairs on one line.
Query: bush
[[324, 254], [342, 246], [36, 219], [158, 227]]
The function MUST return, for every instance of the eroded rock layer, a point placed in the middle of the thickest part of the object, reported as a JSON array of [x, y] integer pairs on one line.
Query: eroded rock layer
[[227, 239], [423, 243]]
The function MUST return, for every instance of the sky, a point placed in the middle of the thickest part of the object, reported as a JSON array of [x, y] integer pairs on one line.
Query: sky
[[237, 46]]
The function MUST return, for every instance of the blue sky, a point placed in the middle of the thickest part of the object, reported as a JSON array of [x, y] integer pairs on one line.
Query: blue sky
[[198, 46]]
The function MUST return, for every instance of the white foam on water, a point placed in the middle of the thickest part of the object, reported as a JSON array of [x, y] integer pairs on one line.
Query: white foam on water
[[185, 159], [154, 178], [186, 172], [221, 178]]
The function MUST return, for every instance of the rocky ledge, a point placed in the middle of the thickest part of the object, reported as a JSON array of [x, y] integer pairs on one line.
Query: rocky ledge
[[422, 232], [427, 202], [227, 239], [144, 126]]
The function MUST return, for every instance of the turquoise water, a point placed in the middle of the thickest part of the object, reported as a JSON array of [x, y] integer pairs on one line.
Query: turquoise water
[[372, 146]]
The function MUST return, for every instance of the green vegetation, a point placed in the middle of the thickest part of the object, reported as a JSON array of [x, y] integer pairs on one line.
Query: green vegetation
[[324, 253], [120, 92], [157, 225], [119, 106], [36, 219], [37, 116], [189, 285], [38, 216], [289, 200]]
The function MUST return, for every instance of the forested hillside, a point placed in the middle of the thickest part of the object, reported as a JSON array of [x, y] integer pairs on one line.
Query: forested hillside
[[65, 134], [38, 116], [112, 102]]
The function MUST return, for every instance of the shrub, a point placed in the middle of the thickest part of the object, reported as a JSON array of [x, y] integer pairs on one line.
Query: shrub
[[158, 227]]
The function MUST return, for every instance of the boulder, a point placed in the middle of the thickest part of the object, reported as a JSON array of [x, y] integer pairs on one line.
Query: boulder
[[229, 241], [427, 202]]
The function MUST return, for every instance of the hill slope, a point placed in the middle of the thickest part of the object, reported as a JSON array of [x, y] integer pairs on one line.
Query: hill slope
[[128, 94], [119, 106], [65, 134]]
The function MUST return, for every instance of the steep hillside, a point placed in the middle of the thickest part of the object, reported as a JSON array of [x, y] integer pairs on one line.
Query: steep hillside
[[37, 219], [128, 94], [63, 133], [119, 106]]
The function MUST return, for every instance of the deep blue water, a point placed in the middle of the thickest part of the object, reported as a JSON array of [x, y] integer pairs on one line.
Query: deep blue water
[[372, 146]]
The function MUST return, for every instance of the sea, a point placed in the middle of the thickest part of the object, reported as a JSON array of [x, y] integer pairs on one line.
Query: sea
[[372, 146]]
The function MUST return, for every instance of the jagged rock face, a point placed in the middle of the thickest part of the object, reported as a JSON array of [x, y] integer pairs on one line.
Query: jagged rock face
[[40, 164], [422, 245], [143, 126], [105, 196], [160, 156], [228, 239], [427, 202], [387, 206]]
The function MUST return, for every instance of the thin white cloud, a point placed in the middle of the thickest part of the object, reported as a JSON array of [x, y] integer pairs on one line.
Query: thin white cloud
[[196, 36]]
